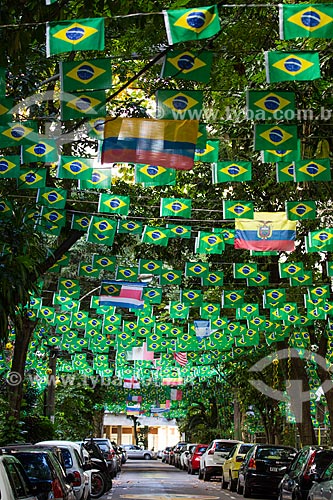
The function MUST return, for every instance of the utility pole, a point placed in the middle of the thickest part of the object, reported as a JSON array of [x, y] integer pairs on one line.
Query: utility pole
[[51, 384]]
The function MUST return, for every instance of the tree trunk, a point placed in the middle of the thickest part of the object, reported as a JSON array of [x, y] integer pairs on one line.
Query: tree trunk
[[325, 378], [299, 399], [16, 376]]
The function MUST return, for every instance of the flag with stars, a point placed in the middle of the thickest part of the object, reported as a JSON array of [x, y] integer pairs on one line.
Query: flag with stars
[[148, 266], [179, 105], [214, 278], [113, 204], [86, 269], [208, 154], [285, 171], [89, 74], [52, 197], [78, 34], [209, 243], [298, 210], [31, 178], [290, 269], [73, 167], [101, 230], [179, 231], [197, 269], [321, 239], [130, 227], [180, 207], [266, 105], [283, 155], [106, 262], [9, 166], [237, 209], [268, 136], [171, 277], [232, 298], [100, 179], [188, 65], [44, 150], [191, 24], [154, 175], [266, 231], [247, 270], [82, 104], [305, 20], [80, 222], [312, 170], [17, 133], [155, 235], [229, 171], [300, 65]]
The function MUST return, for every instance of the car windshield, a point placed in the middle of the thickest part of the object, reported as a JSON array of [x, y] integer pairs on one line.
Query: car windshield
[[275, 454], [201, 450], [35, 466], [224, 446], [244, 449]]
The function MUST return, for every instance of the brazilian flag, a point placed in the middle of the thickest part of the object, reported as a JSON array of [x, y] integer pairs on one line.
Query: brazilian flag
[[188, 65], [78, 34], [90, 74]]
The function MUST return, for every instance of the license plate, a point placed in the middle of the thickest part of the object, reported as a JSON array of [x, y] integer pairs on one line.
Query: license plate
[[274, 469]]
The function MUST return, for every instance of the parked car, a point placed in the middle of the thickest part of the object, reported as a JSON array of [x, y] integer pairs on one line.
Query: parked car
[[165, 454], [214, 457], [184, 455], [232, 463], [14, 482], [308, 464], [75, 459], [194, 458], [263, 469], [174, 450], [109, 453], [136, 452], [44, 471], [322, 487], [123, 453]]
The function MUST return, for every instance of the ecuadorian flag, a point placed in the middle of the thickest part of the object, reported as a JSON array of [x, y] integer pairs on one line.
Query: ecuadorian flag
[[267, 231], [169, 143]]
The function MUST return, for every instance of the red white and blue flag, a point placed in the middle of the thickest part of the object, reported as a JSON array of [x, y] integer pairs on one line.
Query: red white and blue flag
[[129, 295]]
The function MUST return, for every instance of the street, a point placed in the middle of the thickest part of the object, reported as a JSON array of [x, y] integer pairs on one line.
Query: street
[[154, 480]]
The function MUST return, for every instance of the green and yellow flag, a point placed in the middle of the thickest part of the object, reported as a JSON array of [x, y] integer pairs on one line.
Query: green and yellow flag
[[155, 235], [100, 179], [73, 167], [154, 175], [179, 105], [237, 209], [300, 65], [209, 243], [176, 207], [229, 171], [9, 167], [267, 136], [113, 204], [171, 277], [80, 222], [17, 133], [283, 155], [187, 65], [266, 105], [130, 227], [305, 20], [82, 104], [44, 150], [101, 230], [90, 74], [31, 178], [209, 154], [191, 24], [6, 106], [179, 231], [285, 171], [312, 170], [298, 210], [52, 197], [78, 34]]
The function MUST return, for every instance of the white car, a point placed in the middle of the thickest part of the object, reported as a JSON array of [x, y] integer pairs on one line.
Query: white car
[[184, 456], [13, 480], [134, 451], [75, 456], [214, 457]]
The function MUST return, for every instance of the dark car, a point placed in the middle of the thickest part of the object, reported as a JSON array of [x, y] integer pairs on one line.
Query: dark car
[[165, 454], [174, 450], [308, 465], [108, 452], [263, 468], [45, 473], [194, 458]]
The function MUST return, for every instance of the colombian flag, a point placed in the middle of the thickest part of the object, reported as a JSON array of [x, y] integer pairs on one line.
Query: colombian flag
[[267, 231], [169, 143]]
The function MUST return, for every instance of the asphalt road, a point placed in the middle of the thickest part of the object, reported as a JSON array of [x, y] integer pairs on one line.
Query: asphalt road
[[154, 480]]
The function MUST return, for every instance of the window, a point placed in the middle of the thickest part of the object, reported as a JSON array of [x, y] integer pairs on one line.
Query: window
[[16, 478], [67, 458]]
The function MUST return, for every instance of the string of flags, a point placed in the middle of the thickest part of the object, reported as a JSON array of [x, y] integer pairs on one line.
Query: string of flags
[[178, 349]]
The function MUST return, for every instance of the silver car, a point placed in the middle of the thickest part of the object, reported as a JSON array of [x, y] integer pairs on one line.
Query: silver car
[[134, 451], [322, 488]]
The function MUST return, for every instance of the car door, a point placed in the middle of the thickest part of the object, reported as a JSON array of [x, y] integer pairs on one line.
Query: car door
[[17, 479]]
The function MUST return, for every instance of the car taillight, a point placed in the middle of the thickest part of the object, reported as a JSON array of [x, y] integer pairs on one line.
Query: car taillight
[[110, 455], [77, 480], [239, 458], [306, 474], [211, 452], [252, 464], [57, 490]]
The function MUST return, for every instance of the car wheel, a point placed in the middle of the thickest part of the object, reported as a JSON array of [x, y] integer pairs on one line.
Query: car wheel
[[239, 488], [232, 484], [206, 476], [224, 483], [247, 491], [146, 456]]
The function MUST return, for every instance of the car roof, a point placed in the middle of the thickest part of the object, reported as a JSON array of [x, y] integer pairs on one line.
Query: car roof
[[60, 443]]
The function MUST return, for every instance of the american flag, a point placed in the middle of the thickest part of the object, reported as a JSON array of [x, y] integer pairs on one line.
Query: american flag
[[180, 357]]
